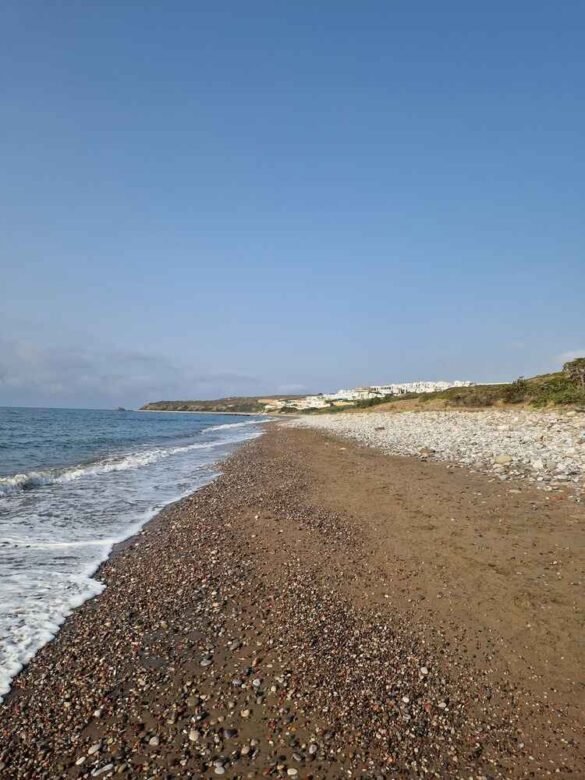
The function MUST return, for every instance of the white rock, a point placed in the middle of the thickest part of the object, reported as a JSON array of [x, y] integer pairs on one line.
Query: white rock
[[503, 460]]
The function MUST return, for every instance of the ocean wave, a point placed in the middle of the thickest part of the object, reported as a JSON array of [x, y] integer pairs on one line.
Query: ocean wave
[[60, 545], [235, 425], [19, 483]]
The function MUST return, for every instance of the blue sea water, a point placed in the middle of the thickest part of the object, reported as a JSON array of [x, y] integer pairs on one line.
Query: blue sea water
[[75, 482]]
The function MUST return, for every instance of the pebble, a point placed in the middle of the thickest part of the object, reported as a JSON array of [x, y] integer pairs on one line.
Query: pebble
[[102, 770]]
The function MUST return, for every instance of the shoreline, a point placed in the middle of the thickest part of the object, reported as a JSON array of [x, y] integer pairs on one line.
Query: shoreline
[[194, 411], [267, 577], [76, 550]]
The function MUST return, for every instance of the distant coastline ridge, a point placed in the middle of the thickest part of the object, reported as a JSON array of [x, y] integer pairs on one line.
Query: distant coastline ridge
[[565, 387], [287, 403]]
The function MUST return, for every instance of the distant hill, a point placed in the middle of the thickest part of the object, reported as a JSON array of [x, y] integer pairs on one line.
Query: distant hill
[[234, 405]]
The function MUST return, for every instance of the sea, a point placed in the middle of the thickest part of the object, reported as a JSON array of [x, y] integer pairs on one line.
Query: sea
[[75, 482]]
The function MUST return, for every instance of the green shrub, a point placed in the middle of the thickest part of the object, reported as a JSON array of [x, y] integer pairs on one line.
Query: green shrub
[[575, 371], [515, 392], [557, 390]]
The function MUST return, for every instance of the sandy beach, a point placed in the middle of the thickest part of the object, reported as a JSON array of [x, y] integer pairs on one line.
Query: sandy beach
[[322, 610]]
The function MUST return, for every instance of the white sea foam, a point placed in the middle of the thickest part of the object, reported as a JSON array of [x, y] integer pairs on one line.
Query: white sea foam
[[33, 611], [236, 425], [59, 545]]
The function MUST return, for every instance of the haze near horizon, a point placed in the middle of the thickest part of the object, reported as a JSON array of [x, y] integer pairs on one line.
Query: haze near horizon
[[203, 200]]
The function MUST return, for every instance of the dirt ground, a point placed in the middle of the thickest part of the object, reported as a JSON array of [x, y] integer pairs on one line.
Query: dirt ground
[[504, 561]]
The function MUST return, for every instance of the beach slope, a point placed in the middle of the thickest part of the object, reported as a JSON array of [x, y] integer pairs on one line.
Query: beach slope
[[322, 610]]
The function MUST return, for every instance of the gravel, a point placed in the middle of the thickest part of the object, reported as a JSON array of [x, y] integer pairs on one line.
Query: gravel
[[545, 448], [301, 673]]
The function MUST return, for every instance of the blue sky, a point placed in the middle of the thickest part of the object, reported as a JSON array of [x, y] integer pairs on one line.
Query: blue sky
[[209, 198]]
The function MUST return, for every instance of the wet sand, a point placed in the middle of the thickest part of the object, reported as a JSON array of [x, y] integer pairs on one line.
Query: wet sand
[[322, 610]]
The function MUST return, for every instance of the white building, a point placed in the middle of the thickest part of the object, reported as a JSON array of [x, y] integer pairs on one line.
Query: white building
[[377, 391]]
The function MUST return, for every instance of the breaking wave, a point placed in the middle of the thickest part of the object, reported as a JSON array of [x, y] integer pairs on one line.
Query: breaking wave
[[36, 479]]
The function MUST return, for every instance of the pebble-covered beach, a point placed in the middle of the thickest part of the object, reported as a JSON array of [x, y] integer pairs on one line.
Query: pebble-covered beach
[[546, 448], [246, 632]]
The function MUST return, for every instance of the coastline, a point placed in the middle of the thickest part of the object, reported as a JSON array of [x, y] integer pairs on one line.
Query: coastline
[[112, 488], [194, 411], [261, 623]]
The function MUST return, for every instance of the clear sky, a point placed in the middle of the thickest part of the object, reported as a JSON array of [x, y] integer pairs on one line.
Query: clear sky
[[208, 198]]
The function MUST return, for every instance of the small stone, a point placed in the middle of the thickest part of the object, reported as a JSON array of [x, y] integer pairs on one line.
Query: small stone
[[206, 662], [94, 748], [194, 735], [503, 460], [219, 770], [102, 770], [405, 699], [292, 772], [313, 748], [154, 741], [245, 713], [424, 670]]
